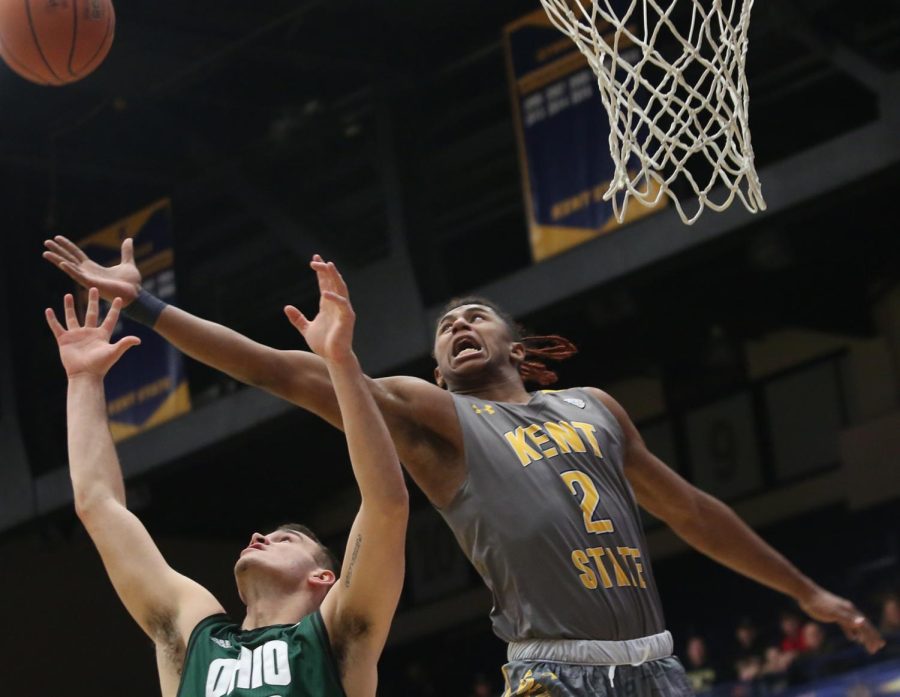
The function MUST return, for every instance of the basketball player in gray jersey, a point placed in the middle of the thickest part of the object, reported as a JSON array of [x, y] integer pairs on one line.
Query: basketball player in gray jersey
[[541, 489]]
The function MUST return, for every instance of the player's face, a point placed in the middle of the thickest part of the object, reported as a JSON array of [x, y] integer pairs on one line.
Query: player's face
[[469, 340], [288, 554]]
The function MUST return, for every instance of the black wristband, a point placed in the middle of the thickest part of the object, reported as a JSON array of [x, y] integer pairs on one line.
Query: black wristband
[[145, 308]]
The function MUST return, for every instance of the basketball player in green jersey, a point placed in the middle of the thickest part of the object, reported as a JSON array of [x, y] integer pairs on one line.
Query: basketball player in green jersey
[[540, 489], [306, 632]]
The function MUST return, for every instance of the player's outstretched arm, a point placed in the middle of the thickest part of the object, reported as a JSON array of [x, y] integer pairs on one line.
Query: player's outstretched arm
[[419, 419], [713, 528], [165, 604], [297, 376], [359, 609]]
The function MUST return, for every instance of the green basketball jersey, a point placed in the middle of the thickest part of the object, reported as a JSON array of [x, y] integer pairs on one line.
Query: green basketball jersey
[[282, 660]]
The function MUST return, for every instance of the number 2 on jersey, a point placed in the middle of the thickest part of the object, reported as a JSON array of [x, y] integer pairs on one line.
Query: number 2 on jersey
[[589, 500]]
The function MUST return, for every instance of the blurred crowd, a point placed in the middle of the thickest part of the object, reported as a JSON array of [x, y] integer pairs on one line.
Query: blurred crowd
[[756, 657], [762, 658], [767, 659]]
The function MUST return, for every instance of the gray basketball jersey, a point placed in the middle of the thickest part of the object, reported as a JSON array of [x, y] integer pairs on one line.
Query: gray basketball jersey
[[549, 520]]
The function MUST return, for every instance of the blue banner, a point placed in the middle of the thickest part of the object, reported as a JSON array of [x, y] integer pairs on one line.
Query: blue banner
[[563, 134], [148, 385]]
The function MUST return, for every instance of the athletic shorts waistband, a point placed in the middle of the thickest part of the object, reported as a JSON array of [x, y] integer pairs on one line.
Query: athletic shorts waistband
[[631, 652]]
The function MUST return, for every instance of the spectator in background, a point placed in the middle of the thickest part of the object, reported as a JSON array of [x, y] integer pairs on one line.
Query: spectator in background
[[748, 668], [792, 640], [747, 636], [811, 663], [481, 687], [700, 671], [890, 615], [814, 638], [774, 671], [748, 657], [890, 624]]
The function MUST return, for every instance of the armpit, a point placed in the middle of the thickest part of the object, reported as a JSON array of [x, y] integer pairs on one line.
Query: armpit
[[170, 648], [349, 630]]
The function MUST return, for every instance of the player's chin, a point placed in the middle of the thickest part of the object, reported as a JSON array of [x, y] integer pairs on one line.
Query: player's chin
[[469, 366], [245, 561], [465, 379]]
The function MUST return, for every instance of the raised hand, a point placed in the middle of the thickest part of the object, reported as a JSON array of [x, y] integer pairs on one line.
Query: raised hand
[[827, 607], [85, 350], [330, 333], [120, 281]]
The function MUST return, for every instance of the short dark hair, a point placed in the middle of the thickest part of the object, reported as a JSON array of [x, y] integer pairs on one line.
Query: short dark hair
[[325, 556], [515, 329], [537, 348]]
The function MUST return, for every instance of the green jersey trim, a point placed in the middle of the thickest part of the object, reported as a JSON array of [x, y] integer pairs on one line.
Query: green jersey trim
[[322, 631], [195, 632]]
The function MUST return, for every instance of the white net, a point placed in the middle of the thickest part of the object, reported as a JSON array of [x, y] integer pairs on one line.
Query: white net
[[671, 76]]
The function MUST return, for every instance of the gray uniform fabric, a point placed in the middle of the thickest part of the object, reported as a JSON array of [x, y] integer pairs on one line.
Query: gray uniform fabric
[[653, 679], [548, 519], [594, 652]]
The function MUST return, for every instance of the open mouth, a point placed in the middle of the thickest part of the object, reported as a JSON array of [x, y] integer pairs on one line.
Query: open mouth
[[465, 346]]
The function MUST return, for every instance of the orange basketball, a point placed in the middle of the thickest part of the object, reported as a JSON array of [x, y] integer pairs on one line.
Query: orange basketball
[[55, 42]]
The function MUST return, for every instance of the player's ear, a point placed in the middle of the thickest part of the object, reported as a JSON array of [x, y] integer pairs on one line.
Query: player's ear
[[324, 578], [517, 352], [439, 379]]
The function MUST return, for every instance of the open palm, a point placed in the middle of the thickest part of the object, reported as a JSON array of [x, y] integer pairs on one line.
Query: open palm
[[85, 350], [120, 281], [330, 333]]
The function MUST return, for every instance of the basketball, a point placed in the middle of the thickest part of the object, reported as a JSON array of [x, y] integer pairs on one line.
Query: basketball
[[55, 42]]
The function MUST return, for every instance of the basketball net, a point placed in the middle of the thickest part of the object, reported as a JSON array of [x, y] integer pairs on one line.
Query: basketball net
[[676, 95]]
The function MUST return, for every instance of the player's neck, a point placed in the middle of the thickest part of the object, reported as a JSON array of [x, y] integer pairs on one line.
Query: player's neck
[[265, 609], [503, 389]]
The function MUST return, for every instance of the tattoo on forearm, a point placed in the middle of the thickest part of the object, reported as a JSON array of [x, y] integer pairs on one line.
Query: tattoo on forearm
[[349, 575]]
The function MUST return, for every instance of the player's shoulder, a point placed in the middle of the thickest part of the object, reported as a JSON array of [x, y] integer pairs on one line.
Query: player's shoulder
[[594, 392], [407, 387], [409, 400], [604, 397], [606, 400], [615, 408]]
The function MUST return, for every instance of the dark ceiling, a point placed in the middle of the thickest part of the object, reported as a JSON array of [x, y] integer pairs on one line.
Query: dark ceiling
[[278, 119]]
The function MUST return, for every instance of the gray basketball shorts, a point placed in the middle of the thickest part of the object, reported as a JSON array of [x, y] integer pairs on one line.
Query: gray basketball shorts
[[662, 677]]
